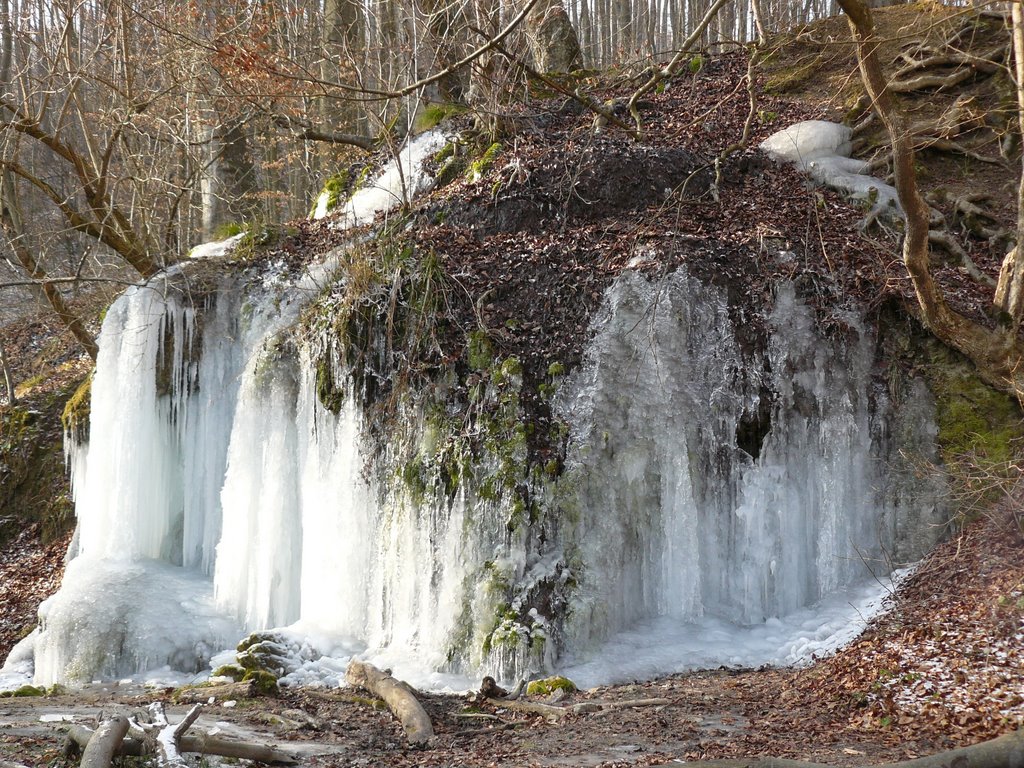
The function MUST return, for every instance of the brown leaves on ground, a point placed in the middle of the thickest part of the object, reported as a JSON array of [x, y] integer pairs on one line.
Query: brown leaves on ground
[[30, 571], [949, 658]]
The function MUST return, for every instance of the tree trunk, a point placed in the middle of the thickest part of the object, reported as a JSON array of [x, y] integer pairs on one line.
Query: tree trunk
[[11, 221], [1009, 298], [230, 185], [8, 379], [344, 40], [400, 698]]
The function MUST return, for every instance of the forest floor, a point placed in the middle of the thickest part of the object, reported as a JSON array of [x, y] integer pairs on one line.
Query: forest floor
[[943, 667]]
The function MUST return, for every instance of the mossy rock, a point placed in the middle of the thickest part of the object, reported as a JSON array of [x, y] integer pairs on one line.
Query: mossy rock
[[335, 189], [234, 671], [449, 170], [254, 639], [974, 420], [77, 409], [549, 685], [479, 167], [479, 353], [23, 692], [433, 115], [265, 682]]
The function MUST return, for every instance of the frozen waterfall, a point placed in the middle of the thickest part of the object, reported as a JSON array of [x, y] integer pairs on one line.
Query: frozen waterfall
[[727, 497]]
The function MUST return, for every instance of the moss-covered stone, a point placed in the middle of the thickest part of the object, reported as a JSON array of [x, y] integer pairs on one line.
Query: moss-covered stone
[[479, 167], [23, 692], [328, 392], [974, 419], [479, 353], [234, 671], [75, 417], [433, 115], [265, 682], [549, 685]]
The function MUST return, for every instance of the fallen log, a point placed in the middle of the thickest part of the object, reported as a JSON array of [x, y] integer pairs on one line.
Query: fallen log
[[103, 743], [400, 698], [547, 711], [79, 736], [169, 737], [608, 707], [1005, 752]]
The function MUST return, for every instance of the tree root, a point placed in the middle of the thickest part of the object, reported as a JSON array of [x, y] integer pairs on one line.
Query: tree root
[[977, 221], [946, 241]]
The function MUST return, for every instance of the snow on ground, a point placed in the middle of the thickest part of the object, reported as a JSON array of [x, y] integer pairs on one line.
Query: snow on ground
[[822, 150]]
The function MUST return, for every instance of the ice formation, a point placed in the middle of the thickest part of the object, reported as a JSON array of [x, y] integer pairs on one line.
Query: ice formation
[[724, 502], [392, 187], [822, 149]]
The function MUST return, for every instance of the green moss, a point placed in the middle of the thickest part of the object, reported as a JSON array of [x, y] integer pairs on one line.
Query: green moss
[[555, 370], [479, 353], [330, 395], [549, 685], [974, 419], [265, 682], [449, 170], [479, 167], [229, 229], [234, 671], [434, 114], [790, 78], [413, 475], [335, 189], [75, 417], [23, 692], [366, 701]]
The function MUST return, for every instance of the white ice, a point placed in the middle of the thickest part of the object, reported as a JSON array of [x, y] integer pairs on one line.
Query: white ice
[[399, 182], [822, 149], [217, 496]]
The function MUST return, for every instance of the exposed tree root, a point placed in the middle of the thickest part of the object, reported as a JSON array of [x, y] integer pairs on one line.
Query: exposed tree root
[[946, 241]]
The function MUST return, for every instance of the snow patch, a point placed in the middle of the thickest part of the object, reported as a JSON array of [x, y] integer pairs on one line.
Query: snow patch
[[822, 149], [400, 181]]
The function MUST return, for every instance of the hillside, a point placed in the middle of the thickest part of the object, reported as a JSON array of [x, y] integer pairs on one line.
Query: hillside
[[532, 240]]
